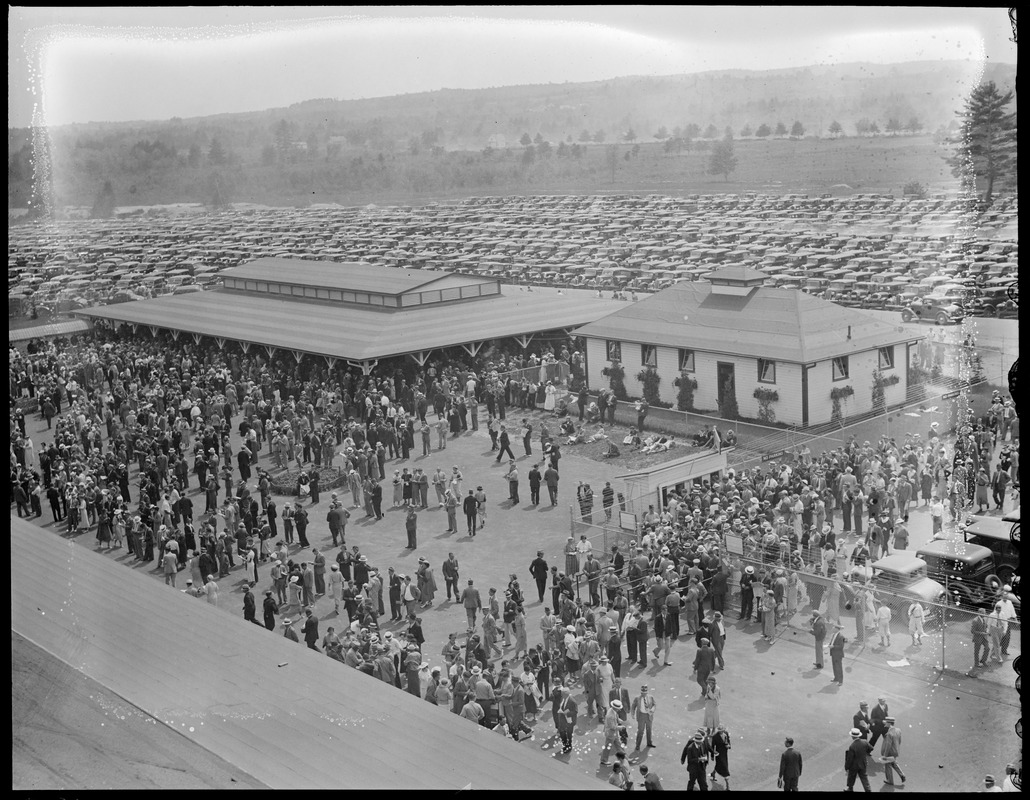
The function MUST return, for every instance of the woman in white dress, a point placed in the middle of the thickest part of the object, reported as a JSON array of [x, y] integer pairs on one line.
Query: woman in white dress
[[550, 394]]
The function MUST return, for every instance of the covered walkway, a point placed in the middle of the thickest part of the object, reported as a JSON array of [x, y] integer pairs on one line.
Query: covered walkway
[[287, 716]]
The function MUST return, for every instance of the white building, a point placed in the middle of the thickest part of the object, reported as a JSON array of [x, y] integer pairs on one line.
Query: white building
[[733, 333], [497, 141]]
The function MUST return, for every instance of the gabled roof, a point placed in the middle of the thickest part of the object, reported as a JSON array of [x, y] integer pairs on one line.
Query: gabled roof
[[773, 323], [354, 276]]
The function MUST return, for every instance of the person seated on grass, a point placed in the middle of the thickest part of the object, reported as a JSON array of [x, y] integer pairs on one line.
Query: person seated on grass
[[577, 437], [593, 413], [599, 435], [561, 408], [633, 439], [659, 445], [611, 451], [568, 427]]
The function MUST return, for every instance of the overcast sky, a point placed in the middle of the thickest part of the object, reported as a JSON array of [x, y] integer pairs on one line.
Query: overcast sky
[[115, 64]]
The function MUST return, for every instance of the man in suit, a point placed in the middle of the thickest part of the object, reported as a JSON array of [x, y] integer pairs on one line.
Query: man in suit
[[643, 708], [890, 752], [450, 575], [790, 767], [566, 712], [704, 664], [819, 632], [878, 715], [551, 479], [837, 642], [472, 602], [861, 719], [310, 629], [534, 485], [538, 569], [470, 506], [855, 760]]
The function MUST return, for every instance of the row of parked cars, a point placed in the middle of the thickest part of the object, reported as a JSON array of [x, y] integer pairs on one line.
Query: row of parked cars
[[970, 573], [923, 257]]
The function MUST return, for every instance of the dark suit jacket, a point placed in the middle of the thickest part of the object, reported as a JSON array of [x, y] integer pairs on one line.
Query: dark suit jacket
[[790, 763], [857, 754], [877, 715]]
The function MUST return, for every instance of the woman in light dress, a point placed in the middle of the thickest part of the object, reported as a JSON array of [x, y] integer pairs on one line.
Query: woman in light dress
[[550, 395], [713, 695]]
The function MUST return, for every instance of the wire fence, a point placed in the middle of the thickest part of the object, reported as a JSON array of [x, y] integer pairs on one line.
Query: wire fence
[[852, 593]]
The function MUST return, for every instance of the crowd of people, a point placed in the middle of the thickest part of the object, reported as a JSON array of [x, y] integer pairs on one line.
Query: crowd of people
[[111, 401]]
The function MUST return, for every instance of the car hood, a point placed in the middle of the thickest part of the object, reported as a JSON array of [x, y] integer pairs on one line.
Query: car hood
[[925, 588]]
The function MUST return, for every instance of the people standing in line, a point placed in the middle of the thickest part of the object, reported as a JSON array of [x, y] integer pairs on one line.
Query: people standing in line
[[790, 767]]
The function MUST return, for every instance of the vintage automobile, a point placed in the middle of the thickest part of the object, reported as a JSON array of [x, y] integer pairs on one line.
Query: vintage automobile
[[966, 570], [1001, 537], [901, 578], [938, 310]]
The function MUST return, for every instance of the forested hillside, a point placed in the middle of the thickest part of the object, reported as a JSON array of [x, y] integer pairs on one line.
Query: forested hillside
[[455, 142]]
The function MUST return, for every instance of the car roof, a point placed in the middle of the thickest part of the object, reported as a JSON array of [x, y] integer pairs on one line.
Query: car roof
[[1012, 516], [989, 528], [899, 562], [963, 551]]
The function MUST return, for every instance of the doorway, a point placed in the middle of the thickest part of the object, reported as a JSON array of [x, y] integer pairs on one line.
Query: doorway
[[727, 382]]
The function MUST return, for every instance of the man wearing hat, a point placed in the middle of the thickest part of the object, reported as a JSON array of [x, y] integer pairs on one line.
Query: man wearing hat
[[819, 632], [879, 714], [289, 632], [538, 569], [472, 603], [696, 754], [855, 760], [837, 642], [890, 750], [747, 593], [612, 723], [270, 609], [565, 718], [643, 708]]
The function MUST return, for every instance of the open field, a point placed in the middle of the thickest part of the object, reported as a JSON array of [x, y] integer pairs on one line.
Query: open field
[[845, 166]]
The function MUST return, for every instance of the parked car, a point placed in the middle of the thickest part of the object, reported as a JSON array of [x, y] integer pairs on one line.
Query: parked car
[[966, 570], [901, 578], [1001, 537], [935, 310]]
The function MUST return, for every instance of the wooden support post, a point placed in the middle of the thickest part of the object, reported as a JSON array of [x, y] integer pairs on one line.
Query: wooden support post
[[297, 355], [366, 366], [421, 357], [270, 350], [220, 342], [153, 330], [175, 335], [473, 348], [331, 361], [523, 341], [245, 346]]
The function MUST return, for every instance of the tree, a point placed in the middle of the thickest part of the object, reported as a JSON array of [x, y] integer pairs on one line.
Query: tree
[[711, 132], [630, 135], [103, 206], [216, 154], [874, 128], [267, 155], [746, 131], [723, 161], [611, 156], [691, 131], [862, 127], [526, 140], [529, 155], [584, 135], [836, 129], [543, 148], [193, 157], [599, 136], [576, 150], [985, 146], [763, 131], [282, 140], [781, 129], [563, 150], [893, 126], [662, 133], [797, 130], [914, 125], [539, 138]]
